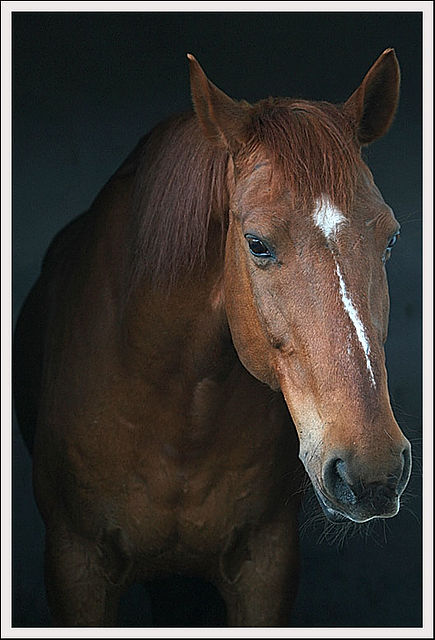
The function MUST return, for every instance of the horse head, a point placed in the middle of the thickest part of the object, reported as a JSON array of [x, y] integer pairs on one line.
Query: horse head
[[305, 285]]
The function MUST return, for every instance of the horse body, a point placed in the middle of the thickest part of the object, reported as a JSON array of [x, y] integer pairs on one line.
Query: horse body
[[146, 440], [161, 442]]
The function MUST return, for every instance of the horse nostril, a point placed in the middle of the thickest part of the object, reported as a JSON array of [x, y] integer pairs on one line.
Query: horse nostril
[[406, 469], [335, 479], [379, 496]]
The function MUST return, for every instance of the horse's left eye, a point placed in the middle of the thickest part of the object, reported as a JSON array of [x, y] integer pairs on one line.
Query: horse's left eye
[[390, 245], [257, 247]]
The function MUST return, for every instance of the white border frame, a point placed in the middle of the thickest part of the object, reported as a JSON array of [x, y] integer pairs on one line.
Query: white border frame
[[426, 631]]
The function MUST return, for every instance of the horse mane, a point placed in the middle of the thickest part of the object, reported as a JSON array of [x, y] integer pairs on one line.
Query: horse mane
[[181, 181], [311, 146]]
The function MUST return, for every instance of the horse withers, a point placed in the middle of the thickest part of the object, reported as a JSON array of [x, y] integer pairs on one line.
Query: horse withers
[[208, 332]]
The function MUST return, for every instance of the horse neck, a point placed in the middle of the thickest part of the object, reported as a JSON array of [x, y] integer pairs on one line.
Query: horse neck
[[171, 308], [182, 328]]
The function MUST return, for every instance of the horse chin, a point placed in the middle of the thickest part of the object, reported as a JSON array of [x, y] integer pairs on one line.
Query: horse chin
[[338, 516]]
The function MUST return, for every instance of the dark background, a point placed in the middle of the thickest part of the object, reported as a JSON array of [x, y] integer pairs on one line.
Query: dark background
[[86, 87]]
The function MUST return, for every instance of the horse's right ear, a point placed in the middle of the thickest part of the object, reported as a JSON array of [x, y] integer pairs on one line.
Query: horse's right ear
[[223, 120]]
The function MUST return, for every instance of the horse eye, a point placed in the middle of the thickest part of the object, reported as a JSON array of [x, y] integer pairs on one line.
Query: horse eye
[[390, 245], [257, 247], [393, 240]]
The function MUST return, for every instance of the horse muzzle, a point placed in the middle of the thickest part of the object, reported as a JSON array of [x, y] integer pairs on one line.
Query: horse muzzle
[[348, 492]]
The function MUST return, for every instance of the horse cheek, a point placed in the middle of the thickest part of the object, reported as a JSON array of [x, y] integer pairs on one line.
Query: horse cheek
[[252, 346]]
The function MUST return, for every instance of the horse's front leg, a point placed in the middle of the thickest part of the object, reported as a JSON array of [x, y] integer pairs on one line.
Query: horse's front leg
[[84, 579], [260, 586]]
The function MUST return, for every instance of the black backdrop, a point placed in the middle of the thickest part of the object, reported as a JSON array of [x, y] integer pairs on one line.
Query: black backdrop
[[86, 86]]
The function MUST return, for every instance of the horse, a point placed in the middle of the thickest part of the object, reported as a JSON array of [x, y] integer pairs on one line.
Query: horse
[[208, 335]]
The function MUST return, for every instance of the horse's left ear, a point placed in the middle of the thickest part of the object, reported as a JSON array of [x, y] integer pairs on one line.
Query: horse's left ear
[[223, 120], [373, 105]]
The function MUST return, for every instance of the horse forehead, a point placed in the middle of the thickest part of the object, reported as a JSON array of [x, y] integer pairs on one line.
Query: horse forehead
[[259, 191], [328, 217]]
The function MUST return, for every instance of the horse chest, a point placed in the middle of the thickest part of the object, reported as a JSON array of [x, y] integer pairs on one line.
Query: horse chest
[[179, 486], [189, 519], [184, 500]]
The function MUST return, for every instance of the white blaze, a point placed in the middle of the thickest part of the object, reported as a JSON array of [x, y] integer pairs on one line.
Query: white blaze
[[329, 220], [353, 314]]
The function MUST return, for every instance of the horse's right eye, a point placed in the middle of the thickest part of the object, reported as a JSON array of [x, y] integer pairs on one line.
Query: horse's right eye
[[257, 247]]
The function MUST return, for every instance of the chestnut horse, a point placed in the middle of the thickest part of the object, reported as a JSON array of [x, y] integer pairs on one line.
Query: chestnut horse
[[210, 330]]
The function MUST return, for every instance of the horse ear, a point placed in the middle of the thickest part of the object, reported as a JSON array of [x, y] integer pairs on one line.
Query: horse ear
[[373, 105], [223, 120]]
